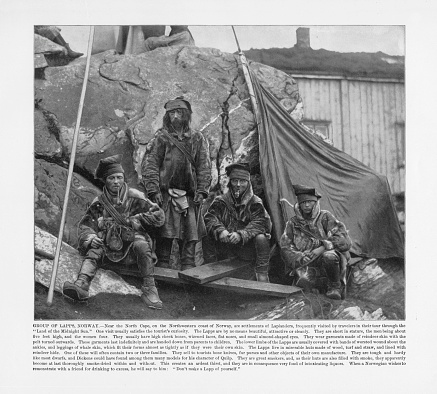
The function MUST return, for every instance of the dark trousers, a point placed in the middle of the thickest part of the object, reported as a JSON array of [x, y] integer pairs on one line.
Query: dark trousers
[[257, 249], [139, 254], [186, 250], [326, 266]]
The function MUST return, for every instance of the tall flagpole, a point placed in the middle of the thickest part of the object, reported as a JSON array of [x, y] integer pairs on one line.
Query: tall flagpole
[[70, 170], [245, 67]]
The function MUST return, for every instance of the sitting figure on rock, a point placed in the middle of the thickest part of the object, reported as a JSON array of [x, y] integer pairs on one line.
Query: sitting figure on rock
[[53, 33], [315, 245], [238, 225], [179, 35], [113, 235]]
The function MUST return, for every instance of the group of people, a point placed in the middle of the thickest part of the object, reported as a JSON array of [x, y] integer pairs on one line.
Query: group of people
[[123, 228], [130, 39]]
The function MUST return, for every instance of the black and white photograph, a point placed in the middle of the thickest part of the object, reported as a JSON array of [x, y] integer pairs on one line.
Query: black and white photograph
[[258, 183], [205, 196]]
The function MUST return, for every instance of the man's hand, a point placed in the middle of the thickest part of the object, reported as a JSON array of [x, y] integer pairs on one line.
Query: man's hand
[[224, 236], [198, 199], [154, 207], [310, 256], [234, 238], [157, 198], [135, 223], [96, 242], [306, 259]]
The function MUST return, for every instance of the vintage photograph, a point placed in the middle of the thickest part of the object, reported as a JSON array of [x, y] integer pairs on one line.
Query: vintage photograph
[[218, 172]]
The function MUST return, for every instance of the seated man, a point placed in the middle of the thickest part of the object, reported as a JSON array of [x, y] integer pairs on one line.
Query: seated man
[[113, 234], [53, 33], [238, 224], [315, 244], [179, 35]]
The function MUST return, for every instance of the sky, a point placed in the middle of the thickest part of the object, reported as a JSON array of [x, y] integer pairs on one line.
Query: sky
[[389, 39]]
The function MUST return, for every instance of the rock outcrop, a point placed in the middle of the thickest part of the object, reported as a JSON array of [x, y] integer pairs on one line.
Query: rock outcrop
[[124, 107], [376, 291], [69, 266], [50, 183], [47, 53]]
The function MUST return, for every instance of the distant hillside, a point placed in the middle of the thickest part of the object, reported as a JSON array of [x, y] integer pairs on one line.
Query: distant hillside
[[307, 60]]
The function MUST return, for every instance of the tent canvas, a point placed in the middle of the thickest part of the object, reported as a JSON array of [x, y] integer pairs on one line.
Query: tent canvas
[[354, 193]]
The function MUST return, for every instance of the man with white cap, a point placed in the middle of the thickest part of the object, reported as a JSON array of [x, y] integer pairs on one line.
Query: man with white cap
[[176, 172], [238, 224], [315, 244], [113, 234]]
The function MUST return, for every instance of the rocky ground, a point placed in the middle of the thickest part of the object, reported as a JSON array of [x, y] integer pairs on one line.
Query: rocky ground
[[180, 302], [183, 302]]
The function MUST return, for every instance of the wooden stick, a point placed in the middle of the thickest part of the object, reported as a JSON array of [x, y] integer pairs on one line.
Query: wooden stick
[[70, 169], [246, 73]]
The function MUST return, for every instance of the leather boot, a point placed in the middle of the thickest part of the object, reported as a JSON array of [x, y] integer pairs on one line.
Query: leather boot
[[150, 294], [262, 247], [71, 53], [332, 268], [333, 292], [79, 290], [262, 277], [187, 252]]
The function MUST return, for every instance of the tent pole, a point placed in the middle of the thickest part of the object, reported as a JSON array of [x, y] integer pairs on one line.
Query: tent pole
[[70, 170], [245, 67]]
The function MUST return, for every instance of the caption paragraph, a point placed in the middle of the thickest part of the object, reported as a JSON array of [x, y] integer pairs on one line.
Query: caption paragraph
[[214, 347]]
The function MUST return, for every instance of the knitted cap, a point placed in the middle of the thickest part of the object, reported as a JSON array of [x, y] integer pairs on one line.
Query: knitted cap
[[177, 103], [109, 166], [239, 171]]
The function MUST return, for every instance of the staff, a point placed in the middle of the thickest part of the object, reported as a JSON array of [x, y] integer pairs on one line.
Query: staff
[[245, 66], [70, 170]]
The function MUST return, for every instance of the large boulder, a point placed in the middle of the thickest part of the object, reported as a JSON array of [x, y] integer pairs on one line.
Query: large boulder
[[380, 282], [50, 184], [48, 53], [46, 136], [375, 291], [69, 266], [124, 107]]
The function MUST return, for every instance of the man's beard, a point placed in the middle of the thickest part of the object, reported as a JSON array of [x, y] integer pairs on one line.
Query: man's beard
[[178, 124]]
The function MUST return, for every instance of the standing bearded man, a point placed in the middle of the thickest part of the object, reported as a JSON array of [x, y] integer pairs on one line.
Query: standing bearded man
[[177, 175], [113, 234]]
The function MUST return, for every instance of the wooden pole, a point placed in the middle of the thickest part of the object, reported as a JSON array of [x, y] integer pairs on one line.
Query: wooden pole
[[70, 169], [245, 67]]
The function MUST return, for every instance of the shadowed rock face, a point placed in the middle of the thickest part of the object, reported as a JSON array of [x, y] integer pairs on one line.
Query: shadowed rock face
[[47, 53], [124, 106], [69, 265], [50, 183]]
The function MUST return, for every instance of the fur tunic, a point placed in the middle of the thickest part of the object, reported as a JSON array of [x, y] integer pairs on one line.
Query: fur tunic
[[302, 235], [164, 167], [249, 218], [132, 203]]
